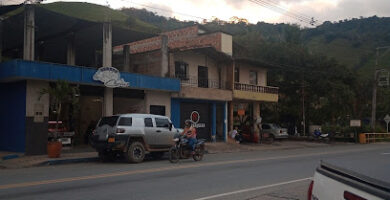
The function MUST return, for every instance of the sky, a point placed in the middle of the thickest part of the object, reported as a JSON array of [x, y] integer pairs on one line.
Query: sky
[[280, 11]]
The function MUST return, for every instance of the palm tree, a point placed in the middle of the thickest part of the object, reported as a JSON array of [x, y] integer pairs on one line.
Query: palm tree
[[60, 93]]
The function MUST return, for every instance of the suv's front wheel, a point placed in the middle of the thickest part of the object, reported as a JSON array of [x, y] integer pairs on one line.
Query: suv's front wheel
[[135, 153]]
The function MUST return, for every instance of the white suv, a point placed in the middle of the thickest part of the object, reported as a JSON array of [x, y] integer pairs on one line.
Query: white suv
[[132, 135]]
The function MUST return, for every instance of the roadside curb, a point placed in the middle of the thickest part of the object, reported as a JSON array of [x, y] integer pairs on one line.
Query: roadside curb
[[68, 161]]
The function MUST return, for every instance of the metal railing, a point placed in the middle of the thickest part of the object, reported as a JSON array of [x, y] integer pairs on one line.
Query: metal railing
[[193, 81], [256, 88]]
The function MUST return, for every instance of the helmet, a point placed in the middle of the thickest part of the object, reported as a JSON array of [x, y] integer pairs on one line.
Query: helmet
[[189, 122]]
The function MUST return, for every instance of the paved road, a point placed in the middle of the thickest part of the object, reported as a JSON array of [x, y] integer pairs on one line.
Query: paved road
[[282, 174]]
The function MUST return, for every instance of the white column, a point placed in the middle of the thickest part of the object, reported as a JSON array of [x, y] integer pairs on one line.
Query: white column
[[71, 51], [107, 62], [126, 58], [29, 33]]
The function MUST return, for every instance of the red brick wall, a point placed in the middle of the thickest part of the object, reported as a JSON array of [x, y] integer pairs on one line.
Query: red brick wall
[[147, 63], [186, 38]]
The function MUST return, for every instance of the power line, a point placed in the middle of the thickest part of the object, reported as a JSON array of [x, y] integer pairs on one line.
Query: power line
[[287, 10], [275, 7], [165, 10], [281, 11]]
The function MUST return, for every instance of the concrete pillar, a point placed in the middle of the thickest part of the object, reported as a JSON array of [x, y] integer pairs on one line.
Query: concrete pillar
[[225, 121], [230, 116], [171, 65], [107, 62], [256, 115], [37, 115], [29, 33], [71, 50], [231, 104], [213, 121], [126, 58], [107, 44], [108, 101], [164, 56]]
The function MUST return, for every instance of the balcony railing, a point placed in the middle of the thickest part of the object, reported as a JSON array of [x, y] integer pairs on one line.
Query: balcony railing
[[256, 88], [193, 81]]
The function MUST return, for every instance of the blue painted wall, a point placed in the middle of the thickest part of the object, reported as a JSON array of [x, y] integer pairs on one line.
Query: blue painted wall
[[21, 69], [175, 112], [213, 121], [13, 116]]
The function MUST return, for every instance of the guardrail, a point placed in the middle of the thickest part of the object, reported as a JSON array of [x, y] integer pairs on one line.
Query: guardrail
[[373, 137], [256, 88]]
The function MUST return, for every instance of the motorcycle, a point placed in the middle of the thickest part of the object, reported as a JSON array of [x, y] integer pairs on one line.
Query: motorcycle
[[181, 149], [317, 134]]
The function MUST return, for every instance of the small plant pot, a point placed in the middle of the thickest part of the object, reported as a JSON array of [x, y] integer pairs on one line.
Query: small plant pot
[[54, 149]]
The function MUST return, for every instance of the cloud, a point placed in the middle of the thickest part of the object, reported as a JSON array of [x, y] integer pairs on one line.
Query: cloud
[[160, 8], [338, 9], [238, 4]]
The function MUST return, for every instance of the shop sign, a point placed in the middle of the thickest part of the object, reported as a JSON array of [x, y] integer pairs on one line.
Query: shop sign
[[195, 117], [355, 123], [110, 76]]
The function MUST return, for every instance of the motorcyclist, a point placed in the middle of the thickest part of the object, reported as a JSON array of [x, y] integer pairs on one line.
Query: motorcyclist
[[190, 132]]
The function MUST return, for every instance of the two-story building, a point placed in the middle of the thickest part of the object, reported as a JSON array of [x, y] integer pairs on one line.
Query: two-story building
[[201, 61], [250, 90], [78, 50], [216, 88], [185, 74]]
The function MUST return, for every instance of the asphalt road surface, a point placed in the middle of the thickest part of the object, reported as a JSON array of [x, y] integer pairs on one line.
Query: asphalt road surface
[[268, 175]]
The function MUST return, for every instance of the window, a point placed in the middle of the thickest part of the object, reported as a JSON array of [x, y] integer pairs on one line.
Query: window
[[265, 126], [236, 75], [203, 77], [181, 70], [136, 69], [111, 121], [125, 121], [162, 122], [148, 122], [253, 77], [157, 110]]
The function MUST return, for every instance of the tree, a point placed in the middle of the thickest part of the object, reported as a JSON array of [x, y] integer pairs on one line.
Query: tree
[[61, 93]]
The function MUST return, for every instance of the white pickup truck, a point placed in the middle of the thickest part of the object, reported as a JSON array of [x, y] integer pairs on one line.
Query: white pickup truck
[[331, 182]]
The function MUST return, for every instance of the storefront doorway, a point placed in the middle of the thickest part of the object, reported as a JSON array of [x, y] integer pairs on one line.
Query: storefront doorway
[[203, 128]]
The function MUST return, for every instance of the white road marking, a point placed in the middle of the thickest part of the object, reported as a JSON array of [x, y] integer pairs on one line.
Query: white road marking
[[252, 189], [385, 153]]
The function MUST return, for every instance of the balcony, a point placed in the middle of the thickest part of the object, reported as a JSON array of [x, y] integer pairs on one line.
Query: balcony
[[207, 89], [193, 81], [255, 92]]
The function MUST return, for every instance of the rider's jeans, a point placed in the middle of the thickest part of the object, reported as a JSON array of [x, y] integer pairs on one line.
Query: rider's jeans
[[192, 143]]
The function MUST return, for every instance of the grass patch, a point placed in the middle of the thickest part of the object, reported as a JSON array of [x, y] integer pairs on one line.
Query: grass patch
[[98, 13]]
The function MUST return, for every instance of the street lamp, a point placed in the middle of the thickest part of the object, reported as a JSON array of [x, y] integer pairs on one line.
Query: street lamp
[[376, 71]]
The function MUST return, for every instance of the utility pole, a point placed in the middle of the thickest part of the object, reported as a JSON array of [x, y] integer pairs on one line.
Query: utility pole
[[303, 106], [374, 88]]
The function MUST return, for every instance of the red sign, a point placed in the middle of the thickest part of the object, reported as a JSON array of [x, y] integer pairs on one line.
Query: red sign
[[195, 117]]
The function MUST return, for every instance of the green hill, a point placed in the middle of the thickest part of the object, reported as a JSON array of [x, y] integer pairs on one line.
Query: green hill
[[353, 43], [334, 62]]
